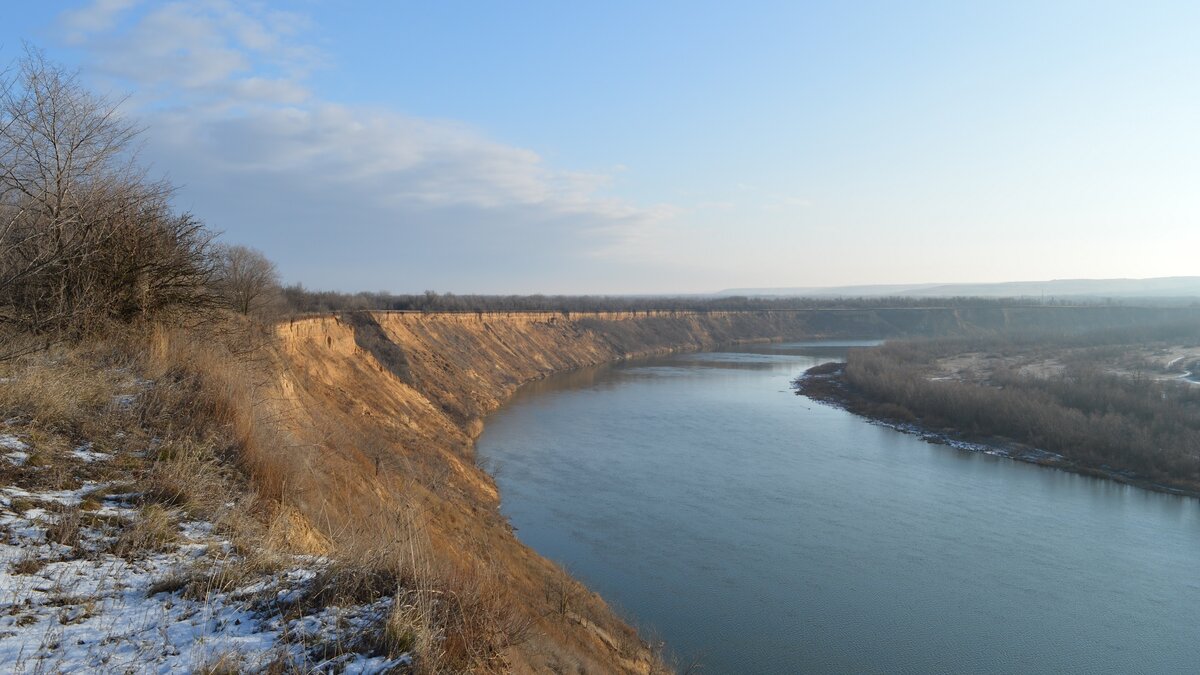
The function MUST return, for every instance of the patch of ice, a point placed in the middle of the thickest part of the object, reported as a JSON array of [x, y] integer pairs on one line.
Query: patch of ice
[[124, 400], [11, 442], [86, 454], [64, 497], [196, 530]]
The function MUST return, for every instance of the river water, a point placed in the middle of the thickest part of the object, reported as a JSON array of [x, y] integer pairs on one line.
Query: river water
[[761, 532]]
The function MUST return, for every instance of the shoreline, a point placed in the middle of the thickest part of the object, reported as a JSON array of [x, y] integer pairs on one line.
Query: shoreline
[[824, 384]]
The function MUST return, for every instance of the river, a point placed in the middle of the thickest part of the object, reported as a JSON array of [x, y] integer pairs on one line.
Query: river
[[761, 532]]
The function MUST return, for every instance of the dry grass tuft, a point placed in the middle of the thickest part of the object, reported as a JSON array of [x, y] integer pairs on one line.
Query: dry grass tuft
[[186, 474], [65, 529], [409, 627], [356, 576], [64, 394], [30, 564], [464, 622], [152, 531], [226, 663], [21, 504], [171, 583]]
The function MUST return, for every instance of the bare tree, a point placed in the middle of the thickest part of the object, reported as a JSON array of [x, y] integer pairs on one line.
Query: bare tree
[[84, 236], [247, 279]]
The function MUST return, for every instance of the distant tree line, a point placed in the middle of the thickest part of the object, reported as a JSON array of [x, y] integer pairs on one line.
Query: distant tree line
[[302, 300]]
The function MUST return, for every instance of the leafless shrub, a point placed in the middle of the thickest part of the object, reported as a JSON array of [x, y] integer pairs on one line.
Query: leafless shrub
[[84, 237], [563, 593]]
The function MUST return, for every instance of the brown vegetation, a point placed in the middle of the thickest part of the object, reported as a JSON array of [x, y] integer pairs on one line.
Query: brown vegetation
[[1130, 425], [247, 279], [84, 238]]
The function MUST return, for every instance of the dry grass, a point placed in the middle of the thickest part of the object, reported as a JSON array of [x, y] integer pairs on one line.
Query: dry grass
[[21, 504], [65, 529], [67, 394], [462, 622], [216, 575], [449, 619], [186, 474], [221, 664], [215, 386], [152, 531], [30, 564], [479, 622], [374, 558]]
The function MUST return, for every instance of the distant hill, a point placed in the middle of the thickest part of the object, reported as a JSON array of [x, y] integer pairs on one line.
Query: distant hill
[[1161, 287]]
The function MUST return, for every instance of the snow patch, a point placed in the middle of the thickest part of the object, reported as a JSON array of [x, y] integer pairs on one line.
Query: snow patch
[[16, 448], [82, 609], [85, 453], [17, 457], [11, 442]]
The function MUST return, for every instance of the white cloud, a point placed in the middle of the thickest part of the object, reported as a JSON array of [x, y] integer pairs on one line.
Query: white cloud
[[100, 16], [222, 88]]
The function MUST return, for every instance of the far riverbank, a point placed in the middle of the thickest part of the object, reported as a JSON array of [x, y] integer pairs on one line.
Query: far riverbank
[[826, 383]]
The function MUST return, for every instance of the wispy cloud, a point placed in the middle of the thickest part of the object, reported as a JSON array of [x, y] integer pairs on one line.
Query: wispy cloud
[[97, 17], [224, 89]]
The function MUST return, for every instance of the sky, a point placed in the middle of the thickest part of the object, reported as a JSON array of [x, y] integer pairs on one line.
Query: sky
[[661, 147]]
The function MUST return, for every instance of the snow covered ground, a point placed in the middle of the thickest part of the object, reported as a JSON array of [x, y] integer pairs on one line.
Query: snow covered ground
[[70, 603]]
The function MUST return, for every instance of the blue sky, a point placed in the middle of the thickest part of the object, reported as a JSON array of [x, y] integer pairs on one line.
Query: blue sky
[[666, 146]]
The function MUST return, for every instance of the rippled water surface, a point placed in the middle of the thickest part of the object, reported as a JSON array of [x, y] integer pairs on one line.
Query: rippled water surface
[[765, 533]]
